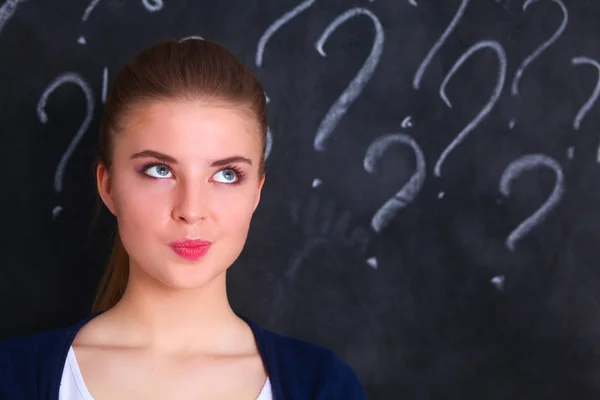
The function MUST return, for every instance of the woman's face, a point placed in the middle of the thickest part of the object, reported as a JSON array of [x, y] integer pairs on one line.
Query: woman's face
[[184, 170]]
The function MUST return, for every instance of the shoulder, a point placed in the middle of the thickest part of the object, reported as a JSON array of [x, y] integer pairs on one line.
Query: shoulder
[[30, 363], [21, 349], [41, 343], [303, 364]]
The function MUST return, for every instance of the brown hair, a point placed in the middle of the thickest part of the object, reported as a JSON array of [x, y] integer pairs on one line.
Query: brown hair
[[190, 69]]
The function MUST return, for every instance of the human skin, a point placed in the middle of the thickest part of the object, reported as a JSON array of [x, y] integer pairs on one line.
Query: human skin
[[180, 169]]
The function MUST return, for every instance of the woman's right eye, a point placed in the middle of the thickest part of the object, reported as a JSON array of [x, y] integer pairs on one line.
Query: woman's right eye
[[158, 171]]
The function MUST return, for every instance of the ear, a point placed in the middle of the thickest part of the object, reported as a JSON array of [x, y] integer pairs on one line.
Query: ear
[[260, 186], [103, 181]]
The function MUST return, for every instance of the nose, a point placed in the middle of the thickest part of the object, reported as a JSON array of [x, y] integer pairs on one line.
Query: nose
[[191, 204]]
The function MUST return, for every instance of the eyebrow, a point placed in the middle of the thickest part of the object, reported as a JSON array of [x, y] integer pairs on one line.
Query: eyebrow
[[168, 159]]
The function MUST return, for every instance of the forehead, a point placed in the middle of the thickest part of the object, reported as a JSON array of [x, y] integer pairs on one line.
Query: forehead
[[190, 130]]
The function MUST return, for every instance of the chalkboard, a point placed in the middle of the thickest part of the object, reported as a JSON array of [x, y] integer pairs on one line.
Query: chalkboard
[[432, 204]]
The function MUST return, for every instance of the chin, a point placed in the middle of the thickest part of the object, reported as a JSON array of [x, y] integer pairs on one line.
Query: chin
[[187, 277]]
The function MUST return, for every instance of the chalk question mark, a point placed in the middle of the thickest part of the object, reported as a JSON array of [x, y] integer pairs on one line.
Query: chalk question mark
[[7, 10], [86, 15], [438, 44], [62, 79], [153, 5], [514, 170], [592, 100], [339, 108], [499, 50], [409, 191], [260, 50], [541, 48], [275, 26], [588, 104]]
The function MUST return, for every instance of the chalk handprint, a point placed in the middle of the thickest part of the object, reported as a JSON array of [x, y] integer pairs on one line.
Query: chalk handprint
[[324, 224]]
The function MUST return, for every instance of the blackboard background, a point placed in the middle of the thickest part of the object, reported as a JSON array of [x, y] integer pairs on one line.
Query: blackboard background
[[450, 311]]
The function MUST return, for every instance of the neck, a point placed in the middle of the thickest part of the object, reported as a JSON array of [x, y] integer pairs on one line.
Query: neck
[[159, 317]]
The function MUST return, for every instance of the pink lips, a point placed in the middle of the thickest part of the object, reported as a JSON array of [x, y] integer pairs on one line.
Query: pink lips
[[190, 249]]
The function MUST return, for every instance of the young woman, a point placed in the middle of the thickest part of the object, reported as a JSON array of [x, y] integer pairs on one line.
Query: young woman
[[181, 166]]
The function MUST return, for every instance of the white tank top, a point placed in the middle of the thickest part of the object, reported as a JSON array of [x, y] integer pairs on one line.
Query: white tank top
[[72, 386]]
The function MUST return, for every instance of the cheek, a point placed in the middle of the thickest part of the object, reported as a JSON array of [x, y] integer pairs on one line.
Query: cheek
[[137, 199], [233, 208]]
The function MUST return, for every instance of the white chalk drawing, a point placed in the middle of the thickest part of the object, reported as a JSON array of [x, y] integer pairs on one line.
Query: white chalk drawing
[[62, 79], [300, 256], [353, 90], [541, 48], [275, 26], [192, 37], [7, 10], [372, 262], [594, 96], [324, 224], [153, 5], [498, 281], [513, 171], [89, 10], [407, 122], [85, 16], [269, 144], [104, 84], [409, 191], [437, 45], [499, 50]]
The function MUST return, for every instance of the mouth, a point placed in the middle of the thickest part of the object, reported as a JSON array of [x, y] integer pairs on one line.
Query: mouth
[[190, 249]]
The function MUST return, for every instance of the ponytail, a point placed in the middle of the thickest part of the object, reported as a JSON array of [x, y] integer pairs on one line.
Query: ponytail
[[114, 281]]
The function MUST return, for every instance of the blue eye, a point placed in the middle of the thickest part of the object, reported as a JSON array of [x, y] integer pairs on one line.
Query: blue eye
[[227, 175], [161, 171]]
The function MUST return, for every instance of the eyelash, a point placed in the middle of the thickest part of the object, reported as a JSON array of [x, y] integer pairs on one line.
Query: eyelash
[[238, 172]]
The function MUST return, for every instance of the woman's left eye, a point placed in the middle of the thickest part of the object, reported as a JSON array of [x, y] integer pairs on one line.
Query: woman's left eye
[[226, 176]]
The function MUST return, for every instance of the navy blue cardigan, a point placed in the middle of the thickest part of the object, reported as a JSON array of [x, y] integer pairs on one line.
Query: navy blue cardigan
[[31, 366]]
